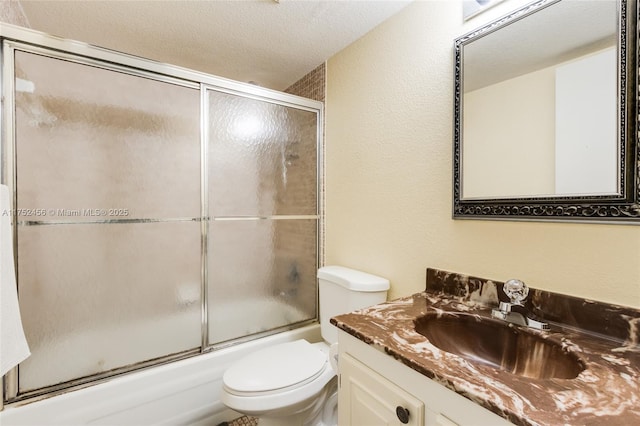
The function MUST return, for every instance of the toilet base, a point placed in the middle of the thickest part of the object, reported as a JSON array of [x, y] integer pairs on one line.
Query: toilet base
[[324, 412], [295, 420]]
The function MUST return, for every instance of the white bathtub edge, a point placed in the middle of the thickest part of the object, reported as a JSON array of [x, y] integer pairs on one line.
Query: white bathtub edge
[[185, 392]]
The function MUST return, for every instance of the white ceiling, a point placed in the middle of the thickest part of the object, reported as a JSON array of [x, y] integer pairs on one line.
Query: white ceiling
[[267, 42]]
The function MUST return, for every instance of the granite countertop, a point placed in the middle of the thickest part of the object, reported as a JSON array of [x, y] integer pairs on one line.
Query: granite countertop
[[604, 338]]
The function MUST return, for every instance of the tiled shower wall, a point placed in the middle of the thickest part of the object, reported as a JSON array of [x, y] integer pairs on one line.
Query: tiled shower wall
[[312, 86]]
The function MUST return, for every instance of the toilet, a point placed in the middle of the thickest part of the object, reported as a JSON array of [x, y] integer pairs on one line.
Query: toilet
[[295, 383]]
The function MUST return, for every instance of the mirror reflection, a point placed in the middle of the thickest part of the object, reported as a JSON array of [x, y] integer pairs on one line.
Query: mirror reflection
[[540, 105]]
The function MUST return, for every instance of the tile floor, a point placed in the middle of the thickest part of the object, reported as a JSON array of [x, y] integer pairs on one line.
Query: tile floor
[[243, 421]]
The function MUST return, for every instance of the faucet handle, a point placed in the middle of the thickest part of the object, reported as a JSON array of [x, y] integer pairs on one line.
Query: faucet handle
[[516, 290]]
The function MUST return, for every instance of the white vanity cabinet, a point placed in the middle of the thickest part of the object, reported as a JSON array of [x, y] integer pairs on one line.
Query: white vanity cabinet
[[370, 399], [377, 390]]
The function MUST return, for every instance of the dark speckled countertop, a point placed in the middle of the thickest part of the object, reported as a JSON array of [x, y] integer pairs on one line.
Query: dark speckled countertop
[[604, 338]]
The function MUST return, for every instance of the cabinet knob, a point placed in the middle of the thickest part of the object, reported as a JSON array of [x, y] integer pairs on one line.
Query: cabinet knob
[[403, 414]]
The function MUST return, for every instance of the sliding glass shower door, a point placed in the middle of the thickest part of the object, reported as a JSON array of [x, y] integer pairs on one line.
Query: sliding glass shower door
[[262, 201], [158, 213], [109, 262]]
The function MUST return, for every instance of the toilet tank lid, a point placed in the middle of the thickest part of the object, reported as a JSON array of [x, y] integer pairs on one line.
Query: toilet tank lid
[[352, 279]]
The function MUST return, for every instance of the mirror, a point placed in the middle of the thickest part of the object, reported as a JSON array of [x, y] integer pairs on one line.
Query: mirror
[[546, 115]]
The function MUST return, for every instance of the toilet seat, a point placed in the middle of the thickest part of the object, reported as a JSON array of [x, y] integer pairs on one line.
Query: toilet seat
[[284, 366], [244, 396]]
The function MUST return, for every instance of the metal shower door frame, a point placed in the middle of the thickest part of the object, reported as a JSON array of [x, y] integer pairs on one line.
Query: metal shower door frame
[[14, 38]]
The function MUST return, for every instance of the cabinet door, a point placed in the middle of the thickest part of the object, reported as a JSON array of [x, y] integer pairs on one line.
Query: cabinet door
[[368, 399]]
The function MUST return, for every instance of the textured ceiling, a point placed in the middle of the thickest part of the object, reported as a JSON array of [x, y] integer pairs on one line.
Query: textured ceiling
[[267, 42]]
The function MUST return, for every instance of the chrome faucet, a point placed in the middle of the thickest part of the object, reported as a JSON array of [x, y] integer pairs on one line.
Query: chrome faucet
[[514, 310]]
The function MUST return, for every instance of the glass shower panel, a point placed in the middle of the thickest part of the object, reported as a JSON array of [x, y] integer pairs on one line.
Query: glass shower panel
[[96, 297], [262, 275], [95, 144], [106, 162], [262, 157]]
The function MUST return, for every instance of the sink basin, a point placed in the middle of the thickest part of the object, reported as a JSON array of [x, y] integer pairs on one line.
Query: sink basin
[[493, 342]]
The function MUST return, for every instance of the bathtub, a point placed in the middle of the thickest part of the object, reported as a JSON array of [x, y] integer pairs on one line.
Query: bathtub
[[185, 392]]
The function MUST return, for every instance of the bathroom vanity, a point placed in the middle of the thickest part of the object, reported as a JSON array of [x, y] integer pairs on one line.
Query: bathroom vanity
[[375, 389], [430, 359]]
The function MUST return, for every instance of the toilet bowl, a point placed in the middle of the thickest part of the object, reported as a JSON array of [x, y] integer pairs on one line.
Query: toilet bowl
[[286, 384], [295, 383]]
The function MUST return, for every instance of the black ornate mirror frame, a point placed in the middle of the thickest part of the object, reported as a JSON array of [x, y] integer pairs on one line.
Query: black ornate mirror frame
[[624, 207]]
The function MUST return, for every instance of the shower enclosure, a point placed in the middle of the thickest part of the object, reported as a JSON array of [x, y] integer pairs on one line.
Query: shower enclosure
[[158, 212]]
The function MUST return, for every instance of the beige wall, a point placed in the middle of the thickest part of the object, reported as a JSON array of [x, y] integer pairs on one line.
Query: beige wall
[[388, 163]]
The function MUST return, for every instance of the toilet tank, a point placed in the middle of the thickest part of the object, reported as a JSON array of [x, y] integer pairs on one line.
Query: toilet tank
[[344, 290]]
